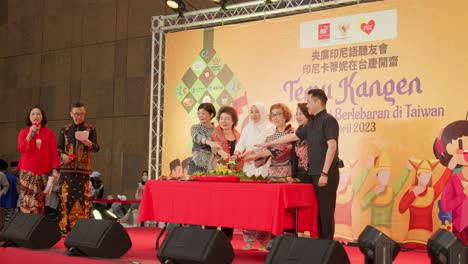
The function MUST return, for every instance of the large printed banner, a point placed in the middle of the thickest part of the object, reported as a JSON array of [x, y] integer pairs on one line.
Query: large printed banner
[[396, 75]]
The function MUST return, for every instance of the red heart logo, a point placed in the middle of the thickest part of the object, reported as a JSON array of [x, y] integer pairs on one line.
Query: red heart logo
[[368, 27]]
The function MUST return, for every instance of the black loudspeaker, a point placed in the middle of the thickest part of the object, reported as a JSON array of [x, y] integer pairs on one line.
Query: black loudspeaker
[[377, 247], [31, 231], [445, 248], [184, 245], [299, 250], [98, 238]]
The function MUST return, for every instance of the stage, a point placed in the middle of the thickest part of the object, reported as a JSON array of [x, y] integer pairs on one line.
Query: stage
[[143, 251]]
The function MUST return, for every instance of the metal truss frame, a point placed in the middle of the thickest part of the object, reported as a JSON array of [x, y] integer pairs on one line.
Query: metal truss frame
[[237, 13]]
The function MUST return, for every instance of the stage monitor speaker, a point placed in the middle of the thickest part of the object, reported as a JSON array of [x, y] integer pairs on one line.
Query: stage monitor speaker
[[31, 231], [377, 247], [98, 238], [184, 245], [445, 248], [299, 250]]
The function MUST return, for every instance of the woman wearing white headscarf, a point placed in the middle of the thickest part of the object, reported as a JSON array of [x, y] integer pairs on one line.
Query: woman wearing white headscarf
[[258, 128]]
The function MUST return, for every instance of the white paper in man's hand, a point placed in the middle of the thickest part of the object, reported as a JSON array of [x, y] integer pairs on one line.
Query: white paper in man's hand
[[82, 135], [50, 183]]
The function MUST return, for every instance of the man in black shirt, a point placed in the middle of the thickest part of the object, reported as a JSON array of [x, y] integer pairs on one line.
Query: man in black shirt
[[321, 135]]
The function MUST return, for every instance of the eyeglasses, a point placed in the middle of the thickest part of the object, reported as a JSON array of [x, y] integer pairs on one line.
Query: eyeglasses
[[79, 114], [276, 114]]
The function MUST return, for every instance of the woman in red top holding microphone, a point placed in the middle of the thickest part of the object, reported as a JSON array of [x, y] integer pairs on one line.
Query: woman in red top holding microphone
[[39, 157]]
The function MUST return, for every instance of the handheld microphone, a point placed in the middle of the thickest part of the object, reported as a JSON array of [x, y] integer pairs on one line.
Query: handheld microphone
[[34, 123]]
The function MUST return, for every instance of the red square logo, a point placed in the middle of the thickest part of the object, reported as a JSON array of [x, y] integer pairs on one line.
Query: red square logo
[[324, 31]]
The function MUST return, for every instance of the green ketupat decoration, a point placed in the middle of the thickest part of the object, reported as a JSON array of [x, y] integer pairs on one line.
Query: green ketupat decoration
[[209, 80]]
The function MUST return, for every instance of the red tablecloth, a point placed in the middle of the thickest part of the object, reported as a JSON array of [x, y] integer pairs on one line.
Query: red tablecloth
[[256, 206]]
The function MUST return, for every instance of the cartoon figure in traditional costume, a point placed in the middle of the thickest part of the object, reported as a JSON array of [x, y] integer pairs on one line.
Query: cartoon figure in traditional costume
[[451, 148], [381, 197], [347, 190], [420, 199]]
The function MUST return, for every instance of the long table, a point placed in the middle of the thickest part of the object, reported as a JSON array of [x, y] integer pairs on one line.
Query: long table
[[256, 206]]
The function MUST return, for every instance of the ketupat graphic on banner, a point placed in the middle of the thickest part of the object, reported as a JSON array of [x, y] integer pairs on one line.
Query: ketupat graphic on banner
[[209, 80]]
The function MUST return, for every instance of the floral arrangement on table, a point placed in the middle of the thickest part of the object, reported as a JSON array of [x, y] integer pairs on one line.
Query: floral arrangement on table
[[223, 168], [227, 168]]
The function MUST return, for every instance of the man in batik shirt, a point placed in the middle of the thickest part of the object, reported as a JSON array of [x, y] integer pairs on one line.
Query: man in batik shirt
[[76, 142]]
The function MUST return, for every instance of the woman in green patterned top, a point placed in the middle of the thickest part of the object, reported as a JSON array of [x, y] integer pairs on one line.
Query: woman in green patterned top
[[201, 135]]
